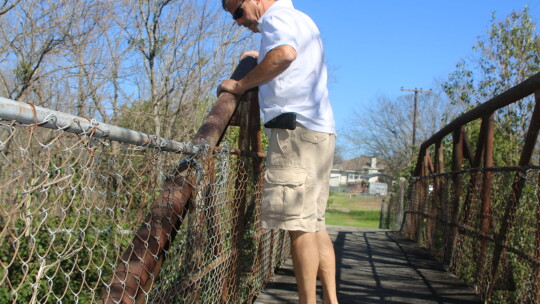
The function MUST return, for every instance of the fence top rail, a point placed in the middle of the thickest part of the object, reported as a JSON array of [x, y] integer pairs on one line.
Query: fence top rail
[[518, 92], [26, 113]]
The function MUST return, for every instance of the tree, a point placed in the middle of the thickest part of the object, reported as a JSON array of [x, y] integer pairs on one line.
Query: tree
[[95, 58], [338, 155], [35, 36], [385, 130], [178, 61], [151, 66], [507, 56], [6, 5]]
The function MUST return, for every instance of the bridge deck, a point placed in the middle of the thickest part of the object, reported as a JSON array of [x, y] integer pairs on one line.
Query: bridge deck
[[378, 266]]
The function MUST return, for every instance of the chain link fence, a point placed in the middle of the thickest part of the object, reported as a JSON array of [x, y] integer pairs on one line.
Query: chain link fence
[[476, 205], [71, 204], [446, 214], [392, 206]]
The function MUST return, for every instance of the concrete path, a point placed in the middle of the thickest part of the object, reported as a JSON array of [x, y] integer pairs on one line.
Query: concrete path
[[378, 266]]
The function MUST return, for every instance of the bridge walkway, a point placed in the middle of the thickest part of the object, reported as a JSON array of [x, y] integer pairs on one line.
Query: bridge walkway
[[378, 266]]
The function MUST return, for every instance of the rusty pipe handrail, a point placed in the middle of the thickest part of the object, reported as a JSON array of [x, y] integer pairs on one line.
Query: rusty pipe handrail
[[520, 91], [27, 113], [221, 113], [142, 261], [472, 205]]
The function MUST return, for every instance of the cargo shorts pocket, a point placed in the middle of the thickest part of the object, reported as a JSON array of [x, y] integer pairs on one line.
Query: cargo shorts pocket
[[284, 191], [314, 137]]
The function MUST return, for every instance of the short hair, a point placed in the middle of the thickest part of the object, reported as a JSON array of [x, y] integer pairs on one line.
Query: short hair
[[224, 4]]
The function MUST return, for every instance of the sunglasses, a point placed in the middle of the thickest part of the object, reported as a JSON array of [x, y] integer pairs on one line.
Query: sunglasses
[[239, 11]]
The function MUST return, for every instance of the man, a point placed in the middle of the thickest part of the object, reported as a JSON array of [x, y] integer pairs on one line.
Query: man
[[291, 76]]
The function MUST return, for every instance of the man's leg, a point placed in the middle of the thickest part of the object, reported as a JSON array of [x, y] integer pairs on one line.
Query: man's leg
[[305, 255], [327, 267], [313, 253]]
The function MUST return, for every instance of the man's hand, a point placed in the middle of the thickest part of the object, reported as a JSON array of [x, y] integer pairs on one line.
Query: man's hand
[[274, 63], [253, 54], [231, 86]]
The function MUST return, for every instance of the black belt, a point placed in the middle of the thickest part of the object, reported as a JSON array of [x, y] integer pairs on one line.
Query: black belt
[[283, 121]]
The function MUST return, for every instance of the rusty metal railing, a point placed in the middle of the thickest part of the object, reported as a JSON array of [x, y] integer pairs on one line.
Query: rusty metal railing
[[91, 212], [142, 262], [480, 219]]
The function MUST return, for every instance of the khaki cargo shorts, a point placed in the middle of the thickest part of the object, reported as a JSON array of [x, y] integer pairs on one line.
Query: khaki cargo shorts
[[296, 180]]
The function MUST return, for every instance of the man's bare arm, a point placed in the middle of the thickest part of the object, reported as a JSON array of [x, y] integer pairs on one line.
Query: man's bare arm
[[274, 63]]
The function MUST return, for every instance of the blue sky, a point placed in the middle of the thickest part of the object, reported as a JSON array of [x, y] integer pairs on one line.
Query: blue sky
[[377, 47]]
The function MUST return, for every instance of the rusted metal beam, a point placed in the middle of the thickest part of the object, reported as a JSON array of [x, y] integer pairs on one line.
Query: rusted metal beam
[[485, 194], [467, 150], [421, 195], [537, 243], [410, 213], [142, 261], [430, 227], [255, 133], [518, 92], [475, 163], [457, 162], [195, 278], [218, 118], [517, 187], [437, 196], [482, 165], [420, 161], [255, 136], [240, 201], [429, 163], [418, 192]]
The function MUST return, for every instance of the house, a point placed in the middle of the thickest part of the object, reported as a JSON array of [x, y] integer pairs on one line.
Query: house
[[355, 171]]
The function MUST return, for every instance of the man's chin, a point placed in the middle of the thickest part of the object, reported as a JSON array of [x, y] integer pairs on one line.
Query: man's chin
[[252, 27]]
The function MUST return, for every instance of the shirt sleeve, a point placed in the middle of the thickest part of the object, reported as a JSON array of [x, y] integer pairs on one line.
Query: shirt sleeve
[[279, 30]]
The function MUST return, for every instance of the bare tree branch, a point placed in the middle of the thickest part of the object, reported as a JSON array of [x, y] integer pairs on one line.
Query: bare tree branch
[[6, 6]]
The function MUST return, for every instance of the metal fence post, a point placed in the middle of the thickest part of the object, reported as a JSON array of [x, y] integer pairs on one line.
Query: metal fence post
[[457, 161], [485, 194], [438, 189]]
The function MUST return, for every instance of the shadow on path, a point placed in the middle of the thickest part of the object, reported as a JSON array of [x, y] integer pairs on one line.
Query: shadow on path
[[378, 266]]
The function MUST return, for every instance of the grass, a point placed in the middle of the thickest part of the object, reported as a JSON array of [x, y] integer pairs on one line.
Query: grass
[[356, 211]]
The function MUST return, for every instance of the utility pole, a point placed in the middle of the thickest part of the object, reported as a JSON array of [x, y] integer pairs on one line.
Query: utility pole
[[415, 110]]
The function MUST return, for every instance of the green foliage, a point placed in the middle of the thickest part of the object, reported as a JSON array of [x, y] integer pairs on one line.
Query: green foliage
[[507, 56], [232, 135], [132, 121], [23, 71], [87, 250], [63, 241]]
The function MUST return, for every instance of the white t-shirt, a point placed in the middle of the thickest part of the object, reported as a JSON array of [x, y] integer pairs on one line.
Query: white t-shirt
[[301, 88]]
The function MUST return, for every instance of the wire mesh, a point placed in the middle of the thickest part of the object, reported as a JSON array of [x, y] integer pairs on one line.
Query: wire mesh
[[462, 223], [392, 207], [70, 206]]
